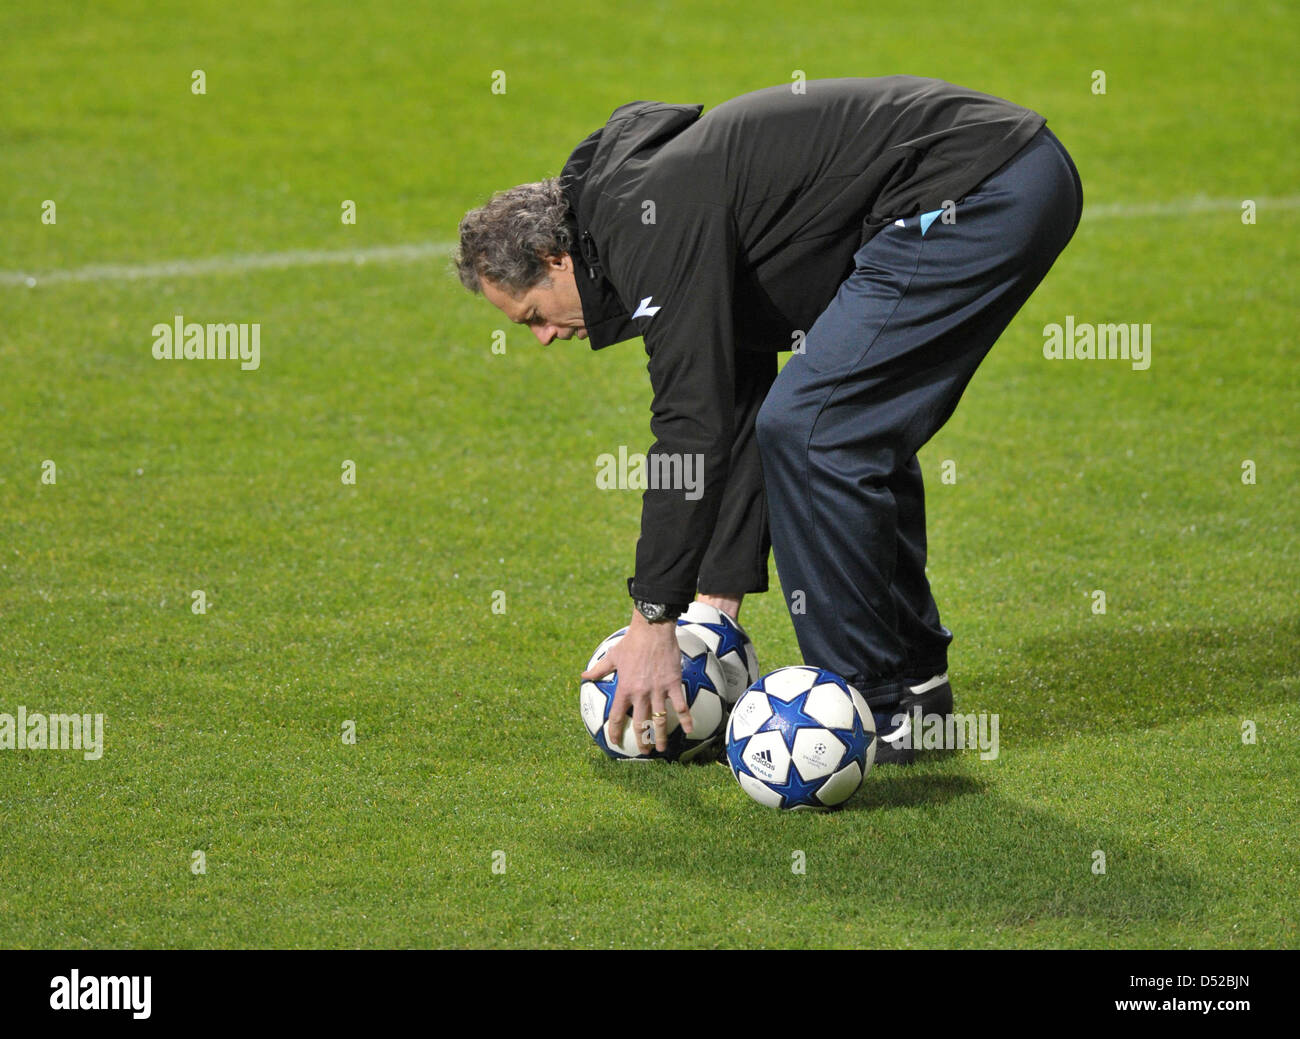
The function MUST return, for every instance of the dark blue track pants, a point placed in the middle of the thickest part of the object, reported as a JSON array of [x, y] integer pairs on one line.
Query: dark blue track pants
[[882, 370]]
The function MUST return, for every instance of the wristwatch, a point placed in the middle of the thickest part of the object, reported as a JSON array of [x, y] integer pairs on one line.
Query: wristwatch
[[655, 612]]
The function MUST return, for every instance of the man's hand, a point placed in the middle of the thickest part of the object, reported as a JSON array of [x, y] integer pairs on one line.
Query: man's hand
[[728, 604], [649, 667]]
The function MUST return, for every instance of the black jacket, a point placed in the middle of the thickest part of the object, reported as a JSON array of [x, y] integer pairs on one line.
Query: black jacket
[[718, 238]]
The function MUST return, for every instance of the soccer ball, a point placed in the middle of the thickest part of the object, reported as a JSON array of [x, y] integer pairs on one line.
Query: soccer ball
[[729, 643], [703, 683], [801, 737]]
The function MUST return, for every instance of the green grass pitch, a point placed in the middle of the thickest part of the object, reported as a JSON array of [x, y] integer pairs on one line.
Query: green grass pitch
[[472, 809]]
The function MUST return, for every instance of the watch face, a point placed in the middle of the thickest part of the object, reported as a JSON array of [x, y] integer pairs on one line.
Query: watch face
[[651, 611]]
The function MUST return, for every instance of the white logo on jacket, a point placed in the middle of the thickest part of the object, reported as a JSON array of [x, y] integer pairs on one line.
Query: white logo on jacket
[[645, 310]]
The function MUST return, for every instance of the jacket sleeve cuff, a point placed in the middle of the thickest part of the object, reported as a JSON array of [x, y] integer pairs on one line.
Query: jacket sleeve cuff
[[660, 593], [731, 582]]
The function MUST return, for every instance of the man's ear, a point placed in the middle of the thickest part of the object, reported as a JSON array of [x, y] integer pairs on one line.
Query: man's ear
[[562, 262]]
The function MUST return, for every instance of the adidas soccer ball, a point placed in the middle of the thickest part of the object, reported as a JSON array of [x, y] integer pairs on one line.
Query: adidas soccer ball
[[729, 643], [703, 683], [801, 737]]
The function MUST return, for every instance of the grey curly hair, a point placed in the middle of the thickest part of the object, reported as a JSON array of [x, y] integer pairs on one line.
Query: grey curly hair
[[508, 240]]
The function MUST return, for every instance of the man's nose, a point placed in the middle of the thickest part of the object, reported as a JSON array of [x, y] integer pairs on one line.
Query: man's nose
[[545, 334]]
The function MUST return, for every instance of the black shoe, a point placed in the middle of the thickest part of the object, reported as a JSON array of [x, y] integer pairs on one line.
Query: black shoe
[[894, 735], [893, 741], [932, 695]]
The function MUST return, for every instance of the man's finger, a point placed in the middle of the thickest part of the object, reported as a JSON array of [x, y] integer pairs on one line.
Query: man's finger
[[640, 725], [678, 697], [659, 716], [617, 718], [599, 670]]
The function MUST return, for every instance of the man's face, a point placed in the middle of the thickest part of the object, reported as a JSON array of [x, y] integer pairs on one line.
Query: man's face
[[551, 308]]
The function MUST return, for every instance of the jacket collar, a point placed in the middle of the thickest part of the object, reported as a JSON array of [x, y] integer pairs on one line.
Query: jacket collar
[[631, 128], [606, 318]]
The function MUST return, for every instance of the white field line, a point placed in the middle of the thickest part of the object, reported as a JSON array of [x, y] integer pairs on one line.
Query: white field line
[[417, 251], [1182, 207], [411, 253]]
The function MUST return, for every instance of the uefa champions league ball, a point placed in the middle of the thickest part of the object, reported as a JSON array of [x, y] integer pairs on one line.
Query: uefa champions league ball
[[801, 737], [729, 643], [703, 682]]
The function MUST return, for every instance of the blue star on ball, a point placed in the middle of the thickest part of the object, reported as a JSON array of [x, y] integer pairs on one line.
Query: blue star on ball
[[789, 718], [729, 640], [695, 677], [794, 791]]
